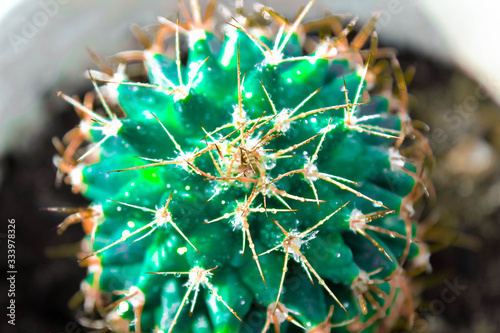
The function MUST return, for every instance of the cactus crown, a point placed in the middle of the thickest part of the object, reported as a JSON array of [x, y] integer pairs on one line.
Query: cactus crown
[[258, 183]]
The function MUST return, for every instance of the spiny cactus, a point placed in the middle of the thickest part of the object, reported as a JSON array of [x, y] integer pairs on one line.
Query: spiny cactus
[[256, 180]]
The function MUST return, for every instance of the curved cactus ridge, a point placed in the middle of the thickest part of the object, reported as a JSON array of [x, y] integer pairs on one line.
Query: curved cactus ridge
[[256, 183]]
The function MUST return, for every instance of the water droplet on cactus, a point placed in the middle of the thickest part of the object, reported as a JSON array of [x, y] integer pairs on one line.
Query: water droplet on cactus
[[269, 163]]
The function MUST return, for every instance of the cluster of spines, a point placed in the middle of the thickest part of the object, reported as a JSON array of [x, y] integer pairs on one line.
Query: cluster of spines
[[239, 157]]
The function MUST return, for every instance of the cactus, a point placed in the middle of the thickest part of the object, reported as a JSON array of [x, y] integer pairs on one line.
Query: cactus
[[257, 182]]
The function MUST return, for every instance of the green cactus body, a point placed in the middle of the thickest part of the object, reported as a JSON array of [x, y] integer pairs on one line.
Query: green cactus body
[[260, 181]]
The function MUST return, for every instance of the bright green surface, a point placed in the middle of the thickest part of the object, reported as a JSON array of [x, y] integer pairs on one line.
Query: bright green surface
[[335, 252]]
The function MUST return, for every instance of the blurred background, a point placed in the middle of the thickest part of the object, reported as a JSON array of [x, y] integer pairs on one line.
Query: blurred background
[[452, 45]]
